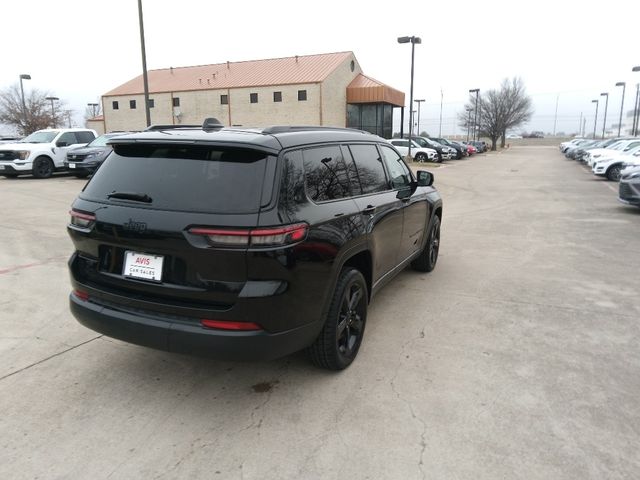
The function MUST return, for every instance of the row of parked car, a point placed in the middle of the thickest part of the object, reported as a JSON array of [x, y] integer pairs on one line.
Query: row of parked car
[[616, 159], [80, 151], [428, 149]]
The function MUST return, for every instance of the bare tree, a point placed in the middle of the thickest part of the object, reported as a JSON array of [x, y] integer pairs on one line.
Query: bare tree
[[39, 113], [498, 110], [517, 105]]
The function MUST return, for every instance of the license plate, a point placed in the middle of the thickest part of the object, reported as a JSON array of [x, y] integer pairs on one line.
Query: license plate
[[143, 266], [72, 165]]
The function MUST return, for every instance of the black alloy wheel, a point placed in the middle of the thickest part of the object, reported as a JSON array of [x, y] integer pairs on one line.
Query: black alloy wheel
[[339, 341], [421, 157], [613, 173], [42, 167], [426, 261]]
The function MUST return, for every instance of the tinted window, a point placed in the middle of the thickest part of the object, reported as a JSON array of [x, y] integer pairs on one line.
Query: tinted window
[[277, 96], [224, 99], [152, 103], [401, 143], [253, 97], [398, 171], [115, 105], [326, 176], [183, 178], [69, 138], [302, 95], [369, 168], [85, 137], [132, 104], [176, 101]]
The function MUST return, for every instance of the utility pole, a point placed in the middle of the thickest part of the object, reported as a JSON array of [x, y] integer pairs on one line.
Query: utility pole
[[145, 79], [440, 129], [555, 118]]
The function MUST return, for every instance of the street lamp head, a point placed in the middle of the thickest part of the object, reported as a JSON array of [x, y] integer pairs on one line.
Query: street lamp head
[[25, 76], [419, 100], [636, 69], [475, 90], [603, 94], [411, 39], [52, 98], [620, 84]]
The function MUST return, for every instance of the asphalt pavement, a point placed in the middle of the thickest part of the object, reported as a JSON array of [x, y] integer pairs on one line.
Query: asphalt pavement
[[517, 358]]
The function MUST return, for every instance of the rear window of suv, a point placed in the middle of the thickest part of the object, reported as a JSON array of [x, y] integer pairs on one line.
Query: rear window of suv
[[182, 178]]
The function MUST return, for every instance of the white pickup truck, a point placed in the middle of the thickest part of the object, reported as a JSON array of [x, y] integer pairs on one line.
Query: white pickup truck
[[43, 152]]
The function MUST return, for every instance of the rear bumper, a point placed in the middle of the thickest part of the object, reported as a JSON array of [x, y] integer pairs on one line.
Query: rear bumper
[[150, 330]]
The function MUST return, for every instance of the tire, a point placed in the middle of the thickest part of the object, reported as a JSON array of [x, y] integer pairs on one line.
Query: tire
[[339, 341], [439, 157], [613, 173], [426, 261], [42, 167], [421, 157]]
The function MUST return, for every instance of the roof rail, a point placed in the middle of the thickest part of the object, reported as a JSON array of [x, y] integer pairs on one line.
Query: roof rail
[[152, 128], [306, 128]]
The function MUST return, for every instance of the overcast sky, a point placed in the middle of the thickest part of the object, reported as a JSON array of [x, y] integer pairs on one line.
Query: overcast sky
[[572, 50]]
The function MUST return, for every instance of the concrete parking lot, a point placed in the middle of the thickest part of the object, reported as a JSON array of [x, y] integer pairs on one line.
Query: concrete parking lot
[[518, 357]]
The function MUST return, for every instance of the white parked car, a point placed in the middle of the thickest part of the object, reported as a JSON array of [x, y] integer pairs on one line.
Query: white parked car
[[513, 136], [43, 152], [611, 151], [564, 146], [420, 154], [612, 166]]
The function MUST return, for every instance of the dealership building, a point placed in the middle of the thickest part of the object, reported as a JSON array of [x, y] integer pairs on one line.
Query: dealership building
[[326, 89]]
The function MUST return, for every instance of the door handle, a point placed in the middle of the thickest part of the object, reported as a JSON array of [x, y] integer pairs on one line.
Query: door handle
[[369, 210]]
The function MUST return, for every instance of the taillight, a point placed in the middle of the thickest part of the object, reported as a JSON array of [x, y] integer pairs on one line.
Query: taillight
[[82, 220], [229, 325], [259, 237]]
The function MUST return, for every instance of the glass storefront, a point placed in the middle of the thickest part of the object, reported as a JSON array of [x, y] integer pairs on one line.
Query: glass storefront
[[375, 118]]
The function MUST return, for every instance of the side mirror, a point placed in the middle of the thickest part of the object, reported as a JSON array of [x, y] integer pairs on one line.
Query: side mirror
[[425, 179], [62, 144]]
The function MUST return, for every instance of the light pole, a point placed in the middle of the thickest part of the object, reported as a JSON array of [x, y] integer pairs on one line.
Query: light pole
[[636, 105], [94, 109], [606, 105], [624, 88], [145, 78], [475, 114], [53, 112], [469, 110], [419, 102], [440, 128], [413, 40], [595, 122], [24, 76]]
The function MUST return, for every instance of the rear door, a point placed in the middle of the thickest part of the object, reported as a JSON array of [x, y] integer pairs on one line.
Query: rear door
[[415, 207], [380, 209]]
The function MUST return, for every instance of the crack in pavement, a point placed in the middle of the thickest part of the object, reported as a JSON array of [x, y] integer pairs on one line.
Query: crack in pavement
[[49, 358], [423, 443]]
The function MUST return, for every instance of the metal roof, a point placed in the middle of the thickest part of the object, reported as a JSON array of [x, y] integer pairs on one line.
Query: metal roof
[[364, 89], [275, 71]]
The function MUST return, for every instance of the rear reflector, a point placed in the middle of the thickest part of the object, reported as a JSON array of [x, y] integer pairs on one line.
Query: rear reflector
[[227, 325], [276, 236], [84, 296]]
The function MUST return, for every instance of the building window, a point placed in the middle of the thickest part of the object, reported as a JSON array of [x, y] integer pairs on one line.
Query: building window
[[132, 104], [277, 96], [302, 95], [224, 99], [253, 97], [176, 101], [115, 105], [151, 103]]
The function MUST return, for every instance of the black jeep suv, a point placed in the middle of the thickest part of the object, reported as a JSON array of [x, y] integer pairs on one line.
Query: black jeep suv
[[247, 243]]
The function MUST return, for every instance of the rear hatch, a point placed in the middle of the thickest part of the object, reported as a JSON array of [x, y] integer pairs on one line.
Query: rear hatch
[[143, 226]]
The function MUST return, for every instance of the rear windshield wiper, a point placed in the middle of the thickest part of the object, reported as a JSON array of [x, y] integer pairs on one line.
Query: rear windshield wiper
[[136, 197]]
